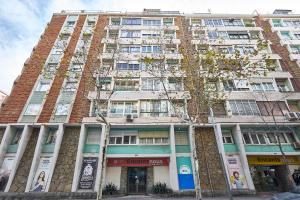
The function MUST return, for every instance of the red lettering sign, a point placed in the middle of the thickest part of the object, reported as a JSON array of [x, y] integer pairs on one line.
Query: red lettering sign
[[137, 162]]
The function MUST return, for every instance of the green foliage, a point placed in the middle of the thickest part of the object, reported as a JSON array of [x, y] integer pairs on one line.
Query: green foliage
[[161, 188], [110, 189]]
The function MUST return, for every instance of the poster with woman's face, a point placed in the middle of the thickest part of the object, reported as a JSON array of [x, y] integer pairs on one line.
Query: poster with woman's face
[[41, 177], [236, 172], [5, 172]]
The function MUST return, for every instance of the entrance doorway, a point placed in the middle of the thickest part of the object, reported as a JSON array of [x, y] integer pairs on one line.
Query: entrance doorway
[[136, 180]]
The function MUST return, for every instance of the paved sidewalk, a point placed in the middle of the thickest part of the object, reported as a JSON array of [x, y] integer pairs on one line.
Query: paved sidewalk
[[260, 197]]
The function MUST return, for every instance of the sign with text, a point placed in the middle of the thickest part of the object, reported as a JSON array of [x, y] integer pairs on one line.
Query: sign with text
[[137, 162], [272, 160], [88, 173]]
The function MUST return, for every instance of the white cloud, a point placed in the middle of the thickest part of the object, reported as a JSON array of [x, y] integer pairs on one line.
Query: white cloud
[[22, 21]]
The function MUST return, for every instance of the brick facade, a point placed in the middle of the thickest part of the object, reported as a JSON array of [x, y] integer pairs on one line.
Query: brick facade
[[60, 75], [81, 106], [23, 85]]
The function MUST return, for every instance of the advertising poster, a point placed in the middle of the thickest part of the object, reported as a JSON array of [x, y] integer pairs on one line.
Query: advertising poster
[[5, 172], [88, 173], [40, 180], [236, 172]]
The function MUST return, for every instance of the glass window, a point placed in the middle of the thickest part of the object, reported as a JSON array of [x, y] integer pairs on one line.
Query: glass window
[[17, 136], [130, 34], [261, 138], [290, 137], [168, 21], [272, 138], [246, 138], [33, 109], [244, 107], [115, 21], [131, 21], [51, 137], [233, 22], [154, 108], [62, 109], [151, 22], [43, 86], [118, 140], [254, 138]]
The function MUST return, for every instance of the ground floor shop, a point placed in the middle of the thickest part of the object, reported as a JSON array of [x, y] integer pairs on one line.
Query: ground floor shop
[[269, 173]]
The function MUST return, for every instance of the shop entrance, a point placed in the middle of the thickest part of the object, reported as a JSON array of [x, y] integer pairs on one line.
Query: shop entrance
[[136, 180]]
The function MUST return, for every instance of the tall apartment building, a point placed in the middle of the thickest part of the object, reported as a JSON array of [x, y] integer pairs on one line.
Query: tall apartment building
[[52, 139]]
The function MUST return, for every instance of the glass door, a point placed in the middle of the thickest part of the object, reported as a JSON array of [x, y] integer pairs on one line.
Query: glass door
[[137, 180]]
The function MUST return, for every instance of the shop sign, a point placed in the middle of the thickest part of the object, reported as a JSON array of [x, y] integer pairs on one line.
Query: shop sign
[[272, 160], [88, 173], [236, 172], [137, 162], [40, 180]]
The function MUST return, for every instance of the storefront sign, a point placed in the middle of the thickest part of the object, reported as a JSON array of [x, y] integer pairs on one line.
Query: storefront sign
[[272, 160], [41, 176], [5, 172], [236, 172], [137, 162], [88, 173]]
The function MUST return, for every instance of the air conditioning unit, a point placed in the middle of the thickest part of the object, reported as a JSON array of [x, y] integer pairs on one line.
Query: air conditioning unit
[[129, 118], [291, 116], [296, 145]]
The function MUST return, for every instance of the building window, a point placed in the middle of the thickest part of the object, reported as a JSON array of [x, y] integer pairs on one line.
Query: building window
[[43, 86], [62, 109], [151, 84], [113, 34], [263, 138], [123, 108], [151, 34], [93, 136], [130, 49], [33, 109], [272, 108], [214, 35], [128, 66], [233, 22], [127, 84], [116, 140], [126, 139], [70, 23], [151, 49], [177, 108], [130, 34], [227, 137], [151, 22], [213, 22], [238, 35], [181, 138], [236, 85], [154, 108], [168, 21], [17, 137], [115, 21], [104, 83], [70, 86], [51, 137], [244, 107], [175, 84], [264, 86], [153, 137], [131, 21]]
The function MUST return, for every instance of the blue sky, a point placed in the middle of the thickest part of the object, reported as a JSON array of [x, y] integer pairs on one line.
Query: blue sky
[[23, 21]]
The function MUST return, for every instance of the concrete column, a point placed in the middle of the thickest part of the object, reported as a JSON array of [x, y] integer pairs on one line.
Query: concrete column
[[79, 156], [237, 134], [21, 148], [59, 138], [172, 164], [99, 168], [7, 137], [36, 157], [218, 135]]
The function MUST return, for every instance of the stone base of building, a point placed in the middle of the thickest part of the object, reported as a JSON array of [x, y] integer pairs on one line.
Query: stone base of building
[[47, 195]]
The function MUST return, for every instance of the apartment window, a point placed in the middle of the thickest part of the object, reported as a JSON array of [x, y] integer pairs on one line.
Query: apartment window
[[291, 23], [17, 137], [270, 108], [116, 140], [285, 35], [154, 108], [153, 137], [244, 107], [91, 23], [128, 66], [51, 137], [225, 49], [70, 86], [295, 49], [264, 86], [115, 21], [104, 82], [101, 108], [276, 22], [123, 108], [173, 65], [175, 84], [62, 109], [238, 35], [168, 21], [33, 109], [247, 139], [43, 86], [282, 85], [93, 136], [129, 139], [196, 21], [181, 138], [70, 23], [233, 22], [169, 34], [249, 22], [254, 35], [213, 22], [213, 35], [130, 49], [76, 67], [254, 138], [113, 34], [126, 84], [151, 49], [272, 138], [131, 21], [150, 34], [297, 36], [236, 85], [151, 84], [130, 34], [111, 48], [244, 49], [151, 22], [51, 67], [290, 137], [227, 137]]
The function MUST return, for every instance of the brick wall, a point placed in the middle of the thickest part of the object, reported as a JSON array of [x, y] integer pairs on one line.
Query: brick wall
[[23, 85], [210, 168], [282, 51], [60, 75], [64, 169], [20, 180], [81, 105]]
